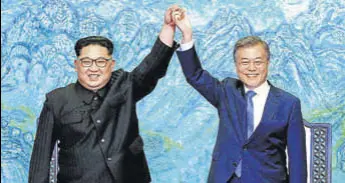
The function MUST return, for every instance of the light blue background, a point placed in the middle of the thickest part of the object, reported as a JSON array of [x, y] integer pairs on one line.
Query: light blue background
[[307, 40]]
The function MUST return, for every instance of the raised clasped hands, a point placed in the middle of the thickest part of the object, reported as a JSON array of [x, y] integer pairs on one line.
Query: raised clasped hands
[[177, 16]]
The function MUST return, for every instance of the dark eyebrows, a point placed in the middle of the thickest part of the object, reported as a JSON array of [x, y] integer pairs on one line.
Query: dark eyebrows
[[96, 58], [247, 59]]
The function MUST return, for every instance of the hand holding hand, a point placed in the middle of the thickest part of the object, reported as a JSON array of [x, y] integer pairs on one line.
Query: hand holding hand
[[168, 30], [181, 20], [168, 19]]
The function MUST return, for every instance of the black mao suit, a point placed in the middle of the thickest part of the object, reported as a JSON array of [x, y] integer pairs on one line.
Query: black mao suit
[[98, 133]]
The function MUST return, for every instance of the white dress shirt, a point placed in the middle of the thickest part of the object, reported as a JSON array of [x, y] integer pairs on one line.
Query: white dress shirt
[[186, 46], [259, 100]]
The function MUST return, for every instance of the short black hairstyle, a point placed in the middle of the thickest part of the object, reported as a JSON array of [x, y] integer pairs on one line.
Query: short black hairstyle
[[93, 40]]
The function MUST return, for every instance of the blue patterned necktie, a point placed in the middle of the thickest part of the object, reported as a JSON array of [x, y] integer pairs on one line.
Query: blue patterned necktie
[[250, 112], [250, 124]]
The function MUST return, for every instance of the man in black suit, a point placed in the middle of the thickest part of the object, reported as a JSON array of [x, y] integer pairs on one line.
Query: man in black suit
[[95, 118]]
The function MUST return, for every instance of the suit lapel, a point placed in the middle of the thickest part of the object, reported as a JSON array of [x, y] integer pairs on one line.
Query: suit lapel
[[270, 112], [240, 107], [241, 110]]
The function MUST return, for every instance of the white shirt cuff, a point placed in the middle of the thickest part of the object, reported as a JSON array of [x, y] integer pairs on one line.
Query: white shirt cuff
[[186, 46]]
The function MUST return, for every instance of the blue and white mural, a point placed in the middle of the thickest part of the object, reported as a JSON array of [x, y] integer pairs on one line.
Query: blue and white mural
[[307, 40]]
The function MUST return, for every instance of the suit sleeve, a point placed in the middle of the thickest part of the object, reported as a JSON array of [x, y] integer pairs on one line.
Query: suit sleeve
[[43, 147], [151, 69], [196, 76], [297, 146]]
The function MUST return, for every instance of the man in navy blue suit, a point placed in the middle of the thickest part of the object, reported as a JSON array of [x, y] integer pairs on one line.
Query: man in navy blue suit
[[258, 121]]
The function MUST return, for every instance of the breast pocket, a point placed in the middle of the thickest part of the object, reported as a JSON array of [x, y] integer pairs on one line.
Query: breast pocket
[[73, 117], [73, 129]]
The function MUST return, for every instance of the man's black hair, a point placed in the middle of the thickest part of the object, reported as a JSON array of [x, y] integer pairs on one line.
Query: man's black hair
[[93, 40]]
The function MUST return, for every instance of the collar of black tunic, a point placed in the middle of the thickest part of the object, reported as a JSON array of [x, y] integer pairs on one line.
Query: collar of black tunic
[[87, 95]]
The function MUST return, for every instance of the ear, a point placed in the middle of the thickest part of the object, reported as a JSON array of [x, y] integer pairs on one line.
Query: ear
[[76, 65], [113, 63]]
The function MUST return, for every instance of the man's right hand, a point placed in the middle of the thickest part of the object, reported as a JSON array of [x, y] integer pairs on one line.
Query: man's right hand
[[181, 20], [168, 29]]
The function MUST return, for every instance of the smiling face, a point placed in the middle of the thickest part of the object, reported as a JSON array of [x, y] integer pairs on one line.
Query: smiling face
[[94, 77], [252, 65]]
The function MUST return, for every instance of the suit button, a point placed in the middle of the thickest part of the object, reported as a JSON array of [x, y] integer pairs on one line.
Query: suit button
[[95, 98], [109, 159], [234, 164], [98, 121], [102, 140]]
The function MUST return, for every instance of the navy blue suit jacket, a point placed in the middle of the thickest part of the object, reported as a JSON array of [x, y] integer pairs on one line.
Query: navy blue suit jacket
[[263, 153]]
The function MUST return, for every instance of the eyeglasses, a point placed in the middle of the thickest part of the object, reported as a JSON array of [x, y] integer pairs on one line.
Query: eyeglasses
[[257, 64], [100, 62]]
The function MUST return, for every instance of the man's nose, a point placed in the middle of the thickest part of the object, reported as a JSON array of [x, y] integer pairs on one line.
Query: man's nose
[[252, 66]]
